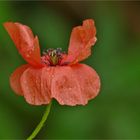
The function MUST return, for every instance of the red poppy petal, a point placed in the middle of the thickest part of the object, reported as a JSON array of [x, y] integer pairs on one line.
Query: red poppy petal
[[26, 43], [75, 85], [88, 79], [81, 40], [35, 85], [15, 79], [65, 87]]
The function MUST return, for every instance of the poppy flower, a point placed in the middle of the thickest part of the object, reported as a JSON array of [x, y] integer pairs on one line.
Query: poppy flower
[[55, 74]]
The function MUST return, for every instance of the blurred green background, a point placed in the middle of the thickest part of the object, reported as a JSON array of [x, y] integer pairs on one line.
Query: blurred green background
[[115, 113]]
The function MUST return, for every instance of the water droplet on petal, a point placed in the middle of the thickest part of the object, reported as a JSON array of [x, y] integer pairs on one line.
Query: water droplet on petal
[[70, 88], [27, 55]]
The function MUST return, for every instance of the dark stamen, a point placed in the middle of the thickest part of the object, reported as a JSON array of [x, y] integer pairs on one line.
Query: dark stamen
[[54, 56]]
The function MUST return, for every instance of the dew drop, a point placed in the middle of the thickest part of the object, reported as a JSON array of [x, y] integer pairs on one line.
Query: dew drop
[[36, 81], [27, 55], [70, 88]]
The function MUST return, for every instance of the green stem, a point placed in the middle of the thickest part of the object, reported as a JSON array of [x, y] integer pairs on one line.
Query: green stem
[[40, 125]]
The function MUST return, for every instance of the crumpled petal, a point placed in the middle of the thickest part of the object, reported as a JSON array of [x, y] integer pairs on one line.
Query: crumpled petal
[[15, 79], [81, 40], [65, 88], [35, 84], [75, 85], [26, 43], [88, 79]]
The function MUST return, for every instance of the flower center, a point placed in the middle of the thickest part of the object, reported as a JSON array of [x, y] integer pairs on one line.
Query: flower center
[[52, 57]]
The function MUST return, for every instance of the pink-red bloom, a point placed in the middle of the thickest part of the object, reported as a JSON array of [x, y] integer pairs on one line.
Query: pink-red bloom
[[55, 74]]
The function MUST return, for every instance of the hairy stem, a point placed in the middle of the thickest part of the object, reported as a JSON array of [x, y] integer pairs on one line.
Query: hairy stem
[[40, 125]]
